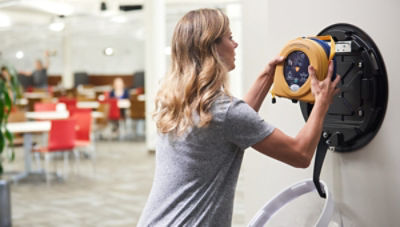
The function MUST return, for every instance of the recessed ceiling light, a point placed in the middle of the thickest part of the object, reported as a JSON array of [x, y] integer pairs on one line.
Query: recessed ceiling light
[[4, 20], [19, 54], [108, 51]]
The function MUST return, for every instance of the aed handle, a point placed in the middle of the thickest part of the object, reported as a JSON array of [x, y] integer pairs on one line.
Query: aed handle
[[319, 161], [332, 52]]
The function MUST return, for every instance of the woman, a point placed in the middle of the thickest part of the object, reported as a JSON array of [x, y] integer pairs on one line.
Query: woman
[[203, 130], [39, 74]]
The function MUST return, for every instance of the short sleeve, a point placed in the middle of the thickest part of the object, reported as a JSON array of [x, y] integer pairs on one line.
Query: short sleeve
[[243, 126]]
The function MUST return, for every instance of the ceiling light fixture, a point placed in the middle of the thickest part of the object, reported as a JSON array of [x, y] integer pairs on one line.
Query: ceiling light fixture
[[108, 51], [57, 24], [19, 54], [4, 20]]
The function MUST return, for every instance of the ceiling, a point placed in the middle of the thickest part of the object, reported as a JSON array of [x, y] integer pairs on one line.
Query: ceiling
[[28, 21], [31, 15], [36, 12]]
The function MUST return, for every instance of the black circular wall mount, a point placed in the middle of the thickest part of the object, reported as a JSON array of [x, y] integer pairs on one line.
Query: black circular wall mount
[[357, 112]]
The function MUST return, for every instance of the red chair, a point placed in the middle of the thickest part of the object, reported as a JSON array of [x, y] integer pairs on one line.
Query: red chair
[[83, 125], [61, 140], [116, 118], [44, 106], [69, 102], [114, 112], [83, 131]]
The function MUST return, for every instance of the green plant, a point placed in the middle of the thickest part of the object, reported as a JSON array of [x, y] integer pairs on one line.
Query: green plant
[[9, 92]]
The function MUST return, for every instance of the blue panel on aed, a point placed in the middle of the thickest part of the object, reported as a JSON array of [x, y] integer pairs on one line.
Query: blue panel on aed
[[327, 49], [296, 70]]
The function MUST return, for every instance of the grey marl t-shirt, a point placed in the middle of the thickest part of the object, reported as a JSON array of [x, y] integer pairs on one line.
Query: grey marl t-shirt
[[40, 78], [196, 174]]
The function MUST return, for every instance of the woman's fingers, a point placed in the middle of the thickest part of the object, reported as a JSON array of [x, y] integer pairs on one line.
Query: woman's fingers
[[269, 70], [326, 88], [336, 81], [276, 60], [330, 71], [337, 91], [272, 64], [311, 72]]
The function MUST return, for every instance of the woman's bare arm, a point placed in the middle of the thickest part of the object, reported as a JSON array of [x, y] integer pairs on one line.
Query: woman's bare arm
[[257, 92], [299, 151]]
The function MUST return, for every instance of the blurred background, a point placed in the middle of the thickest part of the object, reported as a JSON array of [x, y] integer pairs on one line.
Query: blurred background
[[103, 61]]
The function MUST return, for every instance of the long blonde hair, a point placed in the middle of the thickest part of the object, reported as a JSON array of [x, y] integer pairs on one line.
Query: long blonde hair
[[197, 74]]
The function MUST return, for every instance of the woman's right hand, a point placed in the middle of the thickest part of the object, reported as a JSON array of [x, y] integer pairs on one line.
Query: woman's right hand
[[298, 151], [325, 90]]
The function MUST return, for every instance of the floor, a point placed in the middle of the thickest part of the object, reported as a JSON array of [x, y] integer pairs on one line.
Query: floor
[[111, 192]]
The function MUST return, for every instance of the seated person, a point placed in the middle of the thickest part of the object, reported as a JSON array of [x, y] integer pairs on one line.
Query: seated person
[[119, 90]]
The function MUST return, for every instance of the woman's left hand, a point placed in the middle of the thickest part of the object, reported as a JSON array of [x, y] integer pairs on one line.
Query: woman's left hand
[[257, 92], [269, 70]]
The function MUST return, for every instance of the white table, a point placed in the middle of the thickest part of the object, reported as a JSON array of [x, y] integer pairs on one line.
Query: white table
[[122, 104], [141, 97], [22, 101], [47, 115], [55, 115], [27, 128], [88, 104], [103, 88], [97, 114], [35, 95]]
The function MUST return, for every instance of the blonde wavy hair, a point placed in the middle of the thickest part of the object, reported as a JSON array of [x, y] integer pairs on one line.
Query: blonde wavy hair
[[197, 75]]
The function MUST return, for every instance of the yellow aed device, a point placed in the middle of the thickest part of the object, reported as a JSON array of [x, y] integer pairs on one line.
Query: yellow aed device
[[292, 79]]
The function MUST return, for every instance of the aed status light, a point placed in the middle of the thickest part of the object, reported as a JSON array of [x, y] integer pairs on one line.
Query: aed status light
[[292, 79]]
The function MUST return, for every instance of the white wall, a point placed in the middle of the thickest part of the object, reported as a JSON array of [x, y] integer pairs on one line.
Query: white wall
[[365, 183]]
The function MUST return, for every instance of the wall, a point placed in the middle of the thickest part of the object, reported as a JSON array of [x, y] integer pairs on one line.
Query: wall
[[365, 183]]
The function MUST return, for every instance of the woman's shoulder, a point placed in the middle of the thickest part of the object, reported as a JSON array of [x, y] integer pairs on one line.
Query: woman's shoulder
[[222, 105], [225, 100]]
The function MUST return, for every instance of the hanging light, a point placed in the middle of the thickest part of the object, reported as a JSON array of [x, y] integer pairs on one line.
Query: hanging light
[[57, 24]]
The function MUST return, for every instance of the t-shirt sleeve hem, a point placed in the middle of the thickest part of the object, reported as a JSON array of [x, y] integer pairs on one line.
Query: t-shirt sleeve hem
[[258, 138]]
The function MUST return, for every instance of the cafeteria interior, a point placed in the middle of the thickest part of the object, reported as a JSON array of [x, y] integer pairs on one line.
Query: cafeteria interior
[[82, 154]]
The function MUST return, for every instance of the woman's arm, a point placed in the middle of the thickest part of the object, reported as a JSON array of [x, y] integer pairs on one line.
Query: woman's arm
[[46, 60], [299, 151], [256, 95], [25, 73]]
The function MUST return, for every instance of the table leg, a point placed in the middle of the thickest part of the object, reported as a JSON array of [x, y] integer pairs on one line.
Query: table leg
[[27, 158]]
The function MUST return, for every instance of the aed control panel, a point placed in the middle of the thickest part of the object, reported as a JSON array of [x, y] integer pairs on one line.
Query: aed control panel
[[296, 70]]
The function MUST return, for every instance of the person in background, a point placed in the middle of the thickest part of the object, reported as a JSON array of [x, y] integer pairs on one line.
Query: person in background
[[203, 130], [119, 91], [5, 76], [7, 79], [39, 75]]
